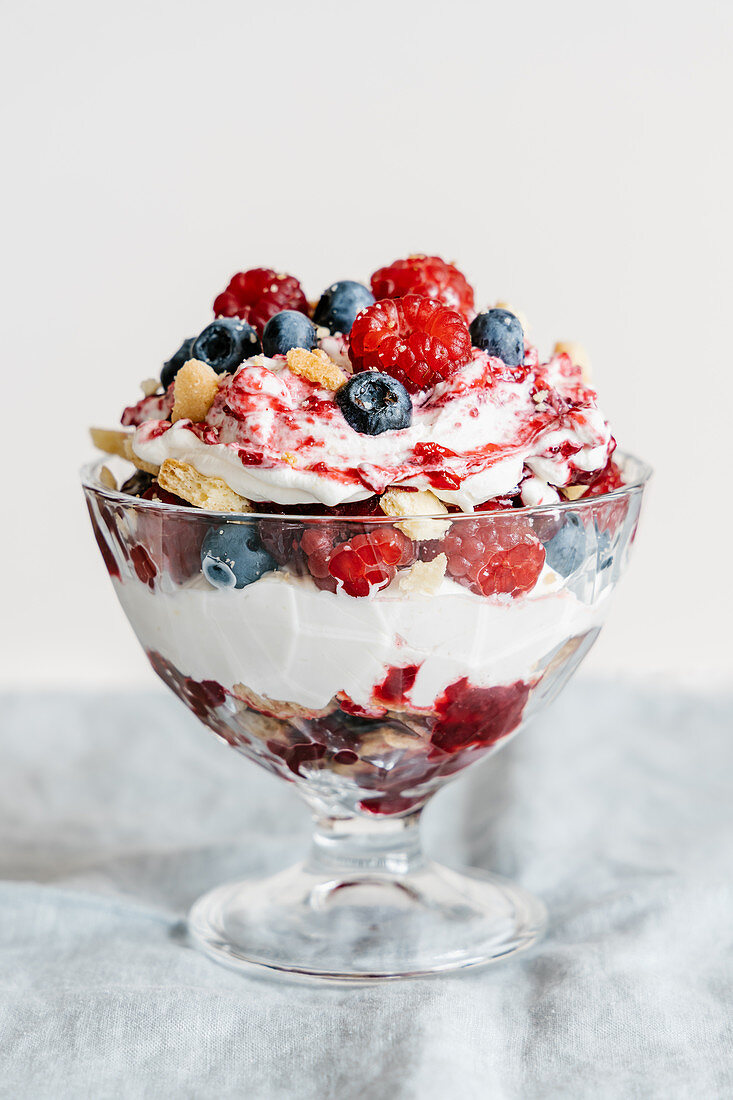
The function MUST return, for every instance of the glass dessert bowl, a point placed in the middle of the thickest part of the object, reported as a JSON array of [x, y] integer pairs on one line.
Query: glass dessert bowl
[[366, 701]]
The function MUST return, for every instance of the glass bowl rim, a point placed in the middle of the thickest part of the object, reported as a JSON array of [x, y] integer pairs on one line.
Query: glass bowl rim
[[90, 480]]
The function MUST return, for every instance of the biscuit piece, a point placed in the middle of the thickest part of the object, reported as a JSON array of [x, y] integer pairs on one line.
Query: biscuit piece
[[574, 492], [386, 739], [107, 478], [316, 366], [116, 442], [424, 578], [150, 386], [578, 356], [278, 708], [397, 502], [184, 480], [194, 390]]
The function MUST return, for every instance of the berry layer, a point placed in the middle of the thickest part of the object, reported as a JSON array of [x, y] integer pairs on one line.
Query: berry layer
[[273, 436]]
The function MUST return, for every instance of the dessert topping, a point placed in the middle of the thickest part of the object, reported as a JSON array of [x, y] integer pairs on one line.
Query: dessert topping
[[288, 329], [338, 306], [225, 343], [114, 442], [315, 366], [373, 403], [428, 276], [417, 340], [195, 388], [499, 333], [172, 366], [258, 294]]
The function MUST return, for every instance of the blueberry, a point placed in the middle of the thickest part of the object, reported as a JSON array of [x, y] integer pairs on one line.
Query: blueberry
[[226, 343], [172, 366], [500, 333], [137, 484], [604, 550], [232, 556], [288, 329], [339, 305], [566, 551], [373, 403]]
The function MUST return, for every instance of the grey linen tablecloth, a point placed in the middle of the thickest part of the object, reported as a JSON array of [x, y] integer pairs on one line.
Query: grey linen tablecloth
[[118, 810]]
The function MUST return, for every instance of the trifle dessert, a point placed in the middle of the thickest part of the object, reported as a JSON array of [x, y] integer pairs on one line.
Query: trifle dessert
[[363, 537]]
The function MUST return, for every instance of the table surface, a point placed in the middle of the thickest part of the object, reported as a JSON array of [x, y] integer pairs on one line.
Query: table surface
[[117, 811]]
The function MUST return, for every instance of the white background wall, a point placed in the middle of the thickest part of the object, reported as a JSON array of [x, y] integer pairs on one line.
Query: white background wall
[[571, 157]]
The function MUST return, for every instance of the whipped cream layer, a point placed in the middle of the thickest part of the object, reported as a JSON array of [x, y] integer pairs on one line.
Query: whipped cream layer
[[285, 639], [273, 436]]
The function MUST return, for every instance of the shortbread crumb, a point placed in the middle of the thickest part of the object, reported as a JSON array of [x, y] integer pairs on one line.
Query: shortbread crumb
[[424, 578], [184, 480], [107, 478], [194, 390], [578, 356], [574, 492], [385, 739], [277, 708], [398, 502], [150, 386], [115, 442], [316, 366]]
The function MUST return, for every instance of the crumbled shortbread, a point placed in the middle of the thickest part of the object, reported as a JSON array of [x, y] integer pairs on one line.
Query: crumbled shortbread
[[113, 441], [316, 366], [573, 492], [194, 390], [578, 356], [398, 502], [107, 478], [150, 386], [184, 480], [278, 708], [424, 578], [385, 739]]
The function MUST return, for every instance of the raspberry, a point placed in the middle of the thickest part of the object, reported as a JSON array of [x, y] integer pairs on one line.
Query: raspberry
[[473, 715], [500, 504], [290, 545], [317, 546], [606, 480], [201, 696], [417, 340], [329, 554], [105, 549], [258, 294], [428, 276], [143, 565], [369, 561], [493, 560], [172, 541]]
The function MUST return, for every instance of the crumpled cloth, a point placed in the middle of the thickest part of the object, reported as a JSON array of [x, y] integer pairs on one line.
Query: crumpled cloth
[[117, 811]]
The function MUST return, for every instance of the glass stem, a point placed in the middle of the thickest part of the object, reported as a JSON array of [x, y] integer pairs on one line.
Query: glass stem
[[364, 846]]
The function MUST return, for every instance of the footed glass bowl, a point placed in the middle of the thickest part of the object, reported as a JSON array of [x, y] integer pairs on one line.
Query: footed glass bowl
[[366, 704]]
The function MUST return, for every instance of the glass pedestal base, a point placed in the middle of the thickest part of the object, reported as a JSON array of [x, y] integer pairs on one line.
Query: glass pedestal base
[[311, 924]]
